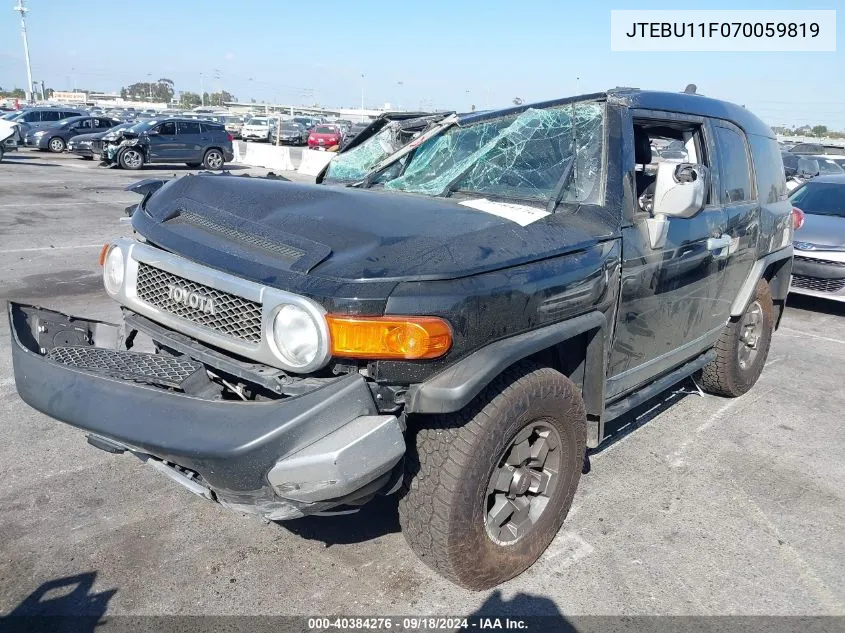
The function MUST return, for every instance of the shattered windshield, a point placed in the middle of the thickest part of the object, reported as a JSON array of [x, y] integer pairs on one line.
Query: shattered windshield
[[518, 156], [357, 162]]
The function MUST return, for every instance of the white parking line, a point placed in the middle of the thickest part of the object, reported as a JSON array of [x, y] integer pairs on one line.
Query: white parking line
[[798, 333], [47, 248], [66, 204]]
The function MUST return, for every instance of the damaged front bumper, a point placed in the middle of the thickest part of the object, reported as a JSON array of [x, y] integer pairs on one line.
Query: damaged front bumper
[[280, 459]]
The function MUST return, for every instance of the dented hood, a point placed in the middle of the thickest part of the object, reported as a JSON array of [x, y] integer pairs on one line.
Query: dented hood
[[267, 230]]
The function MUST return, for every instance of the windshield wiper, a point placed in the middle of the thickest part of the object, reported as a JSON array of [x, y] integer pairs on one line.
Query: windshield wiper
[[557, 194]]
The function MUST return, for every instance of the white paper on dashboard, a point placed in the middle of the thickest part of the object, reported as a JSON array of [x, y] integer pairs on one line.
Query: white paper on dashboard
[[519, 213]]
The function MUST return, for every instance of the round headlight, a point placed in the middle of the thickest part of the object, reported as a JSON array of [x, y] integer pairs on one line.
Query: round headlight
[[113, 271], [296, 335]]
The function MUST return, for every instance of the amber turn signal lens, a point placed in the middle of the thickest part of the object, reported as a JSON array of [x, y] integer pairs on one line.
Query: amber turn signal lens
[[103, 252], [389, 337]]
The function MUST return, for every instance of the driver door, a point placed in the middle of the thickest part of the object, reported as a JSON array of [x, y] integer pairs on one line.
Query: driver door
[[163, 144], [669, 309]]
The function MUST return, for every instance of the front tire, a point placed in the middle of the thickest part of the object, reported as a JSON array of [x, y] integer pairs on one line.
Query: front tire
[[213, 159], [56, 145], [487, 488], [131, 158], [742, 348]]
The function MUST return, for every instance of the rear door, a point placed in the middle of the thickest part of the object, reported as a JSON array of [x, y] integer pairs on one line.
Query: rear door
[[669, 304], [190, 141], [739, 198]]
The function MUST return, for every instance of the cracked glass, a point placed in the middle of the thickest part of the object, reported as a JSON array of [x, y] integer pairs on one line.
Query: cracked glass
[[356, 163], [519, 156]]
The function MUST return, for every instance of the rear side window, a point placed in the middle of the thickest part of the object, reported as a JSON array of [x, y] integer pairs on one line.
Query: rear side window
[[211, 127], [768, 167], [51, 115], [191, 127], [734, 170]]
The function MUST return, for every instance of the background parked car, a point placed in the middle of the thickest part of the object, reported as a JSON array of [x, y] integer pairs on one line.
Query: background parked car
[[292, 133], [325, 137], [56, 136], [172, 140], [819, 265], [355, 130], [259, 128], [37, 118], [90, 145], [308, 122], [233, 125]]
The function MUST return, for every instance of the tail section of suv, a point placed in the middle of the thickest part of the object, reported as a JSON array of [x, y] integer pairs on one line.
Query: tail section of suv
[[457, 331]]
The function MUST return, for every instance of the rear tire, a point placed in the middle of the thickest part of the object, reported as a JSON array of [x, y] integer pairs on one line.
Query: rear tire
[[131, 158], [742, 348], [213, 159], [480, 503]]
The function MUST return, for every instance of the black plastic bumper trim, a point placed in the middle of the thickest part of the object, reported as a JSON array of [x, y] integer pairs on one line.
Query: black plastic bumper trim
[[231, 444]]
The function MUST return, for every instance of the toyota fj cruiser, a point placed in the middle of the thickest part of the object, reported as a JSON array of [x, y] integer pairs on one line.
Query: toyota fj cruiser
[[457, 327]]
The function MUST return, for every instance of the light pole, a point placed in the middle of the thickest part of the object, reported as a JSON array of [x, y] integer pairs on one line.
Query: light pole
[[400, 84], [150, 84], [202, 90], [20, 8], [362, 92]]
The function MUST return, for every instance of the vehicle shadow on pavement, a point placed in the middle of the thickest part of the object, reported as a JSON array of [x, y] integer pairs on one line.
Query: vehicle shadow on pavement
[[616, 430], [376, 518], [63, 604], [523, 605], [814, 304]]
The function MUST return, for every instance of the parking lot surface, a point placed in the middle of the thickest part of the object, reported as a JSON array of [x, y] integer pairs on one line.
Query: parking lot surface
[[699, 505]]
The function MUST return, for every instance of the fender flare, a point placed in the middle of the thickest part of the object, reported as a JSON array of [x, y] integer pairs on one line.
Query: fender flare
[[755, 274], [453, 388]]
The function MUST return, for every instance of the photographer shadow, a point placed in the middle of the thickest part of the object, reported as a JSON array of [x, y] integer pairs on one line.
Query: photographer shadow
[[60, 606]]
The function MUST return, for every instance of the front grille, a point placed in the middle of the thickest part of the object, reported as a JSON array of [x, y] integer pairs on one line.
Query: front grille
[[155, 368], [231, 315], [817, 284], [823, 262]]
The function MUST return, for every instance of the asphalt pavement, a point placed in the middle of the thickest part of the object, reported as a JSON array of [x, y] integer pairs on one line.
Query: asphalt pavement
[[699, 505]]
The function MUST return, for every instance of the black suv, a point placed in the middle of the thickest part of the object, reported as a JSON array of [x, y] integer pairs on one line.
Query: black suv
[[458, 327], [172, 140]]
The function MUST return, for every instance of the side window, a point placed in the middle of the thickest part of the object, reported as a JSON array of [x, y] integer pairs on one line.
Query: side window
[[51, 115], [665, 141], [768, 167], [103, 124], [189, 127], [734, 170], [84, 125], [211, 127], [32, 117], [168, 128]]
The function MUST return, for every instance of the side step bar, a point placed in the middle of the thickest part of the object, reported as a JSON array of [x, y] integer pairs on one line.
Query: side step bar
[[636, 398]]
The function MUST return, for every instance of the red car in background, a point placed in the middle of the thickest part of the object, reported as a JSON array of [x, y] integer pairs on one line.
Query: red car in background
[[325, 137]]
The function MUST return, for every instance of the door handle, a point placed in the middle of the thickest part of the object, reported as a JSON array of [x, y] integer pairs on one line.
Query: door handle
[[720, 244]]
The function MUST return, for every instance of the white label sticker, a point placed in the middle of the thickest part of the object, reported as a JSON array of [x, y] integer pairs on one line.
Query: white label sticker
[[519, 213]]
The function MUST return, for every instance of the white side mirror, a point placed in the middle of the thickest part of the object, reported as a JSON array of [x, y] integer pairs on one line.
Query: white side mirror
[[680, 189]]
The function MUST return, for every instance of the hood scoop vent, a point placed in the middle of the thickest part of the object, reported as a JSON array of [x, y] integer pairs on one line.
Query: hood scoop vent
[[283, 251]]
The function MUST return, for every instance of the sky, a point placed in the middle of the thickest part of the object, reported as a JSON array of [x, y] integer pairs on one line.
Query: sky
[[443, 54]]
